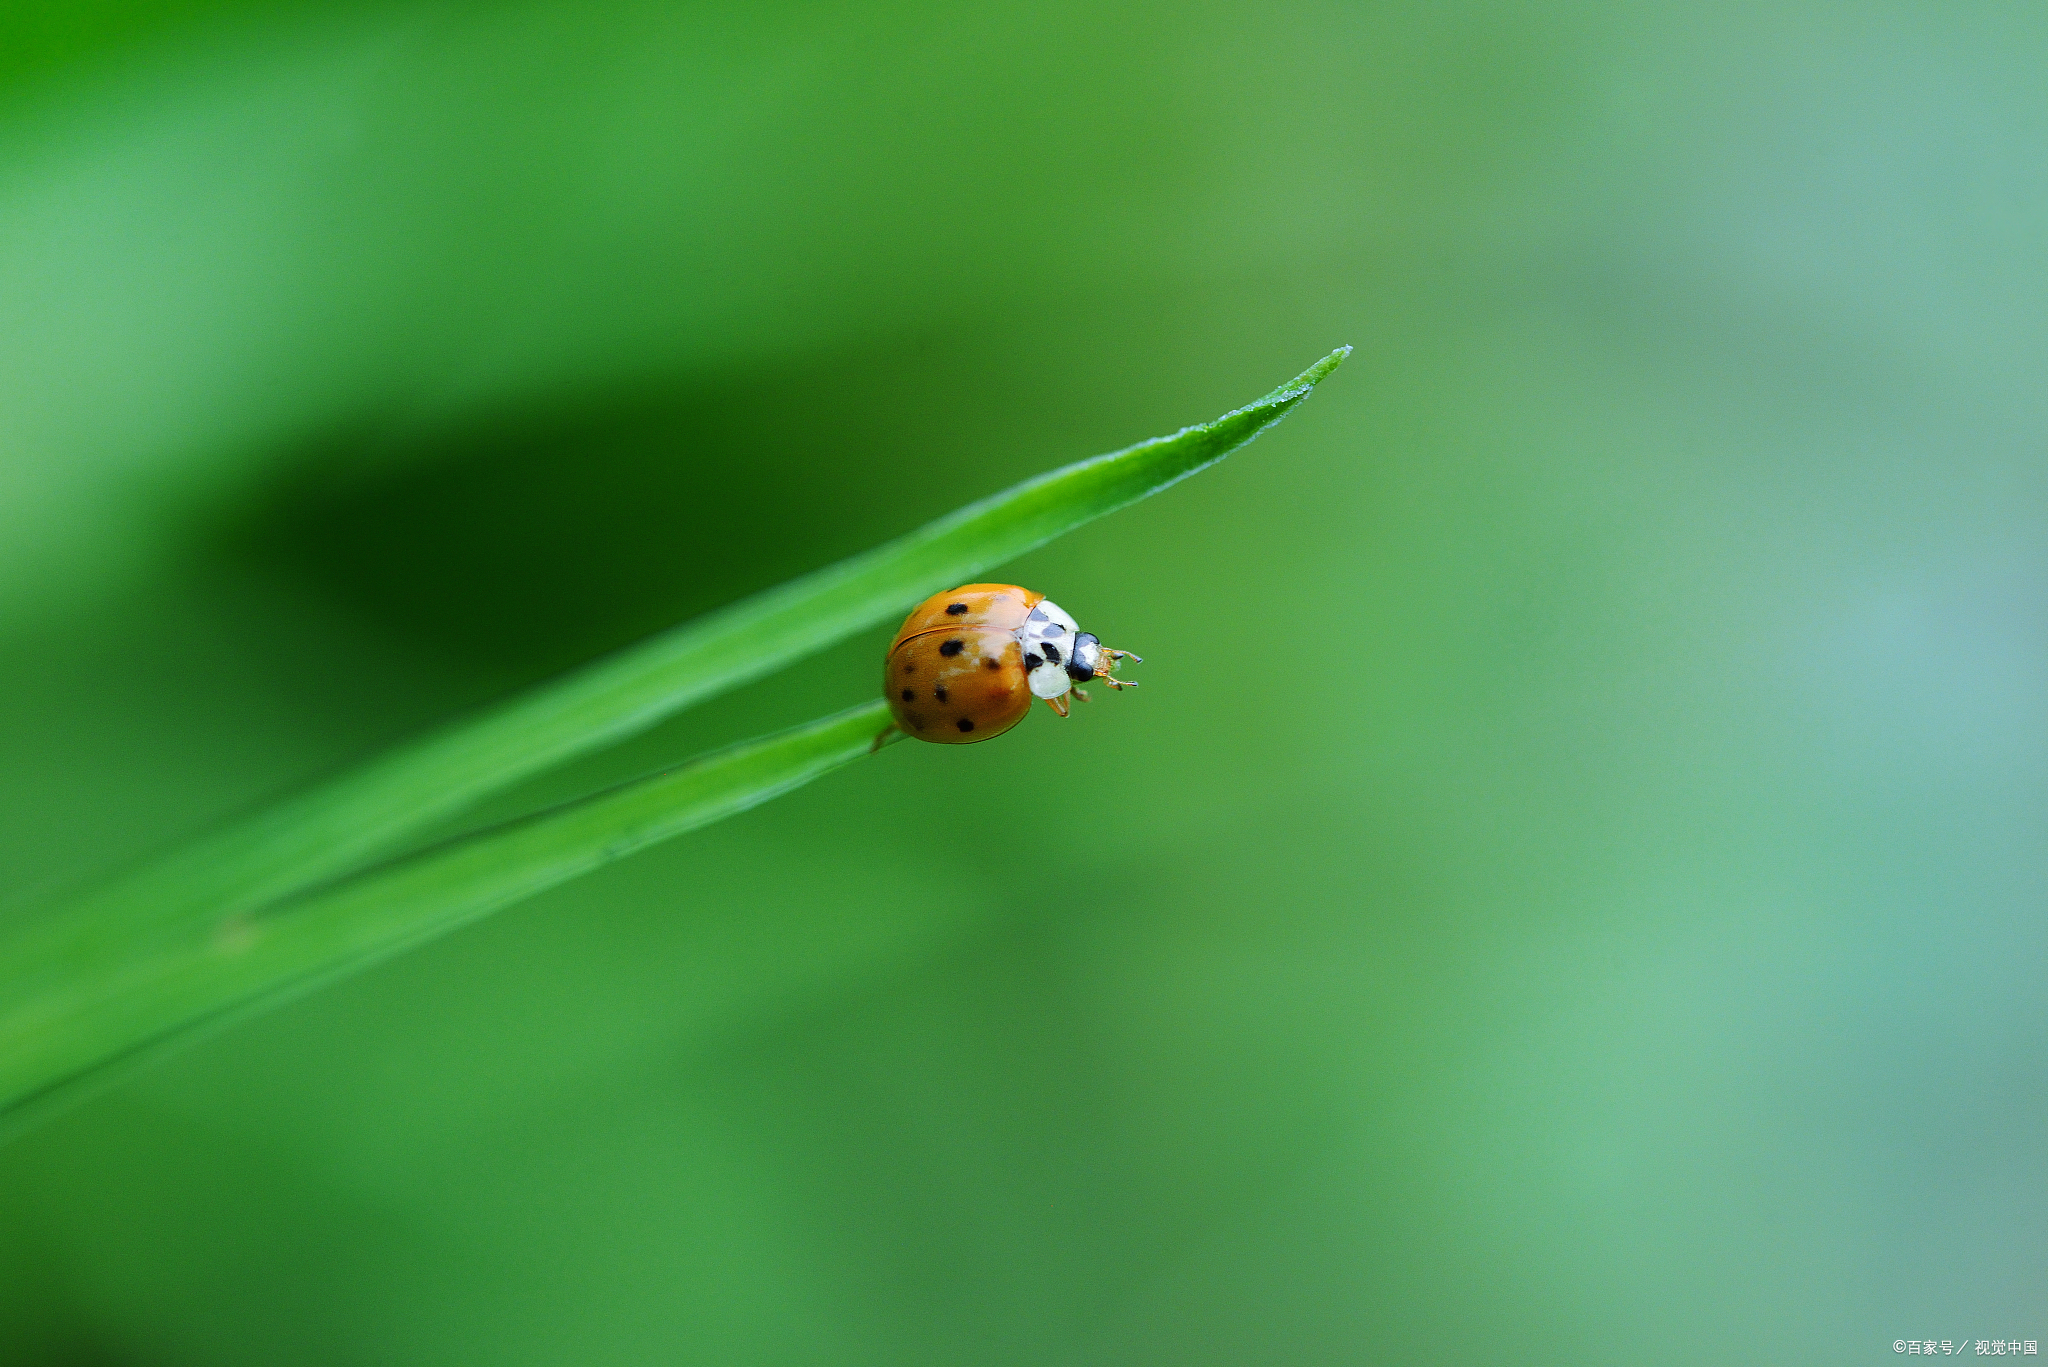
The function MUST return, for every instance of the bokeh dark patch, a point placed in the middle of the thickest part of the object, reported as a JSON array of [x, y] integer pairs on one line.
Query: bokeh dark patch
[[527, 539]]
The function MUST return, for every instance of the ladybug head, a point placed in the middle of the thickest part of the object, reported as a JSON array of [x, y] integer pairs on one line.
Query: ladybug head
[[1085, 658]]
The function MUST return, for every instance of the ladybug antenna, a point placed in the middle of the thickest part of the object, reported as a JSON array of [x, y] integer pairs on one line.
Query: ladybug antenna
[[1104, 660]]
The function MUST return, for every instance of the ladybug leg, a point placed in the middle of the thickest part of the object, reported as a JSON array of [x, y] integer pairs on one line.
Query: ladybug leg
[[1080, 693], [883, 736], [1058, 705]]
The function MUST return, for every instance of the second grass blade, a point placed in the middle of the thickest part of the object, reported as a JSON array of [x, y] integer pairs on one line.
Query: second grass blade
[[137, 996]]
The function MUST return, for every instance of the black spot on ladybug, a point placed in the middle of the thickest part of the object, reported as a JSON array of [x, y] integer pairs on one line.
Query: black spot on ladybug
[[965, 723], [942, 695], [1052, 652], [908, 667], [1032, 661], [908, 695], [991, 663], [957, 608], [952, 647], [917, 722]]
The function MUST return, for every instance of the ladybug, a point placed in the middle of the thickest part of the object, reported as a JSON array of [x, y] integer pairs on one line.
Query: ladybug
[[969, 661]]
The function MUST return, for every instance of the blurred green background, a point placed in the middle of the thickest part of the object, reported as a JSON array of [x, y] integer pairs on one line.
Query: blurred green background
[[1570, 890]]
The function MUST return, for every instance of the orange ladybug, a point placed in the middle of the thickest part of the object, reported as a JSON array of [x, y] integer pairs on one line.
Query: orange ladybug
[[968, 662]]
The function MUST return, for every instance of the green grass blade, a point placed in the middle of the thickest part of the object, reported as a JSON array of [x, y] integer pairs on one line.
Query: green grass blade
[[375, 810], [256, 910], [128, 1001]]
